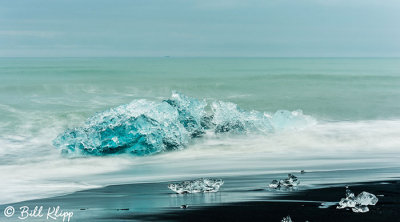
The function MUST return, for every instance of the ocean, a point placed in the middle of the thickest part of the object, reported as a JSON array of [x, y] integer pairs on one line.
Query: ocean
[[355, 103]]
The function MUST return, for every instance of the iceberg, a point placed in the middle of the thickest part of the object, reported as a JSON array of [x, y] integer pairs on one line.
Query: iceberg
[[139, 128], [291, 181], [145, 127], [197, 186], [359, 203]]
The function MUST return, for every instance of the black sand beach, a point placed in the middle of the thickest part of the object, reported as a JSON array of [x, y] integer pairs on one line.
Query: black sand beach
[[153, 202], [301, 206]]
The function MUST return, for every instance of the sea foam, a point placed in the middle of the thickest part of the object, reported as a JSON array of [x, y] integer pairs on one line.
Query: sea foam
[[145, 127]]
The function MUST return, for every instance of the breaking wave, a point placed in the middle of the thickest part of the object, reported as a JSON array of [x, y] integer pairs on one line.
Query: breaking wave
[[145, 127]]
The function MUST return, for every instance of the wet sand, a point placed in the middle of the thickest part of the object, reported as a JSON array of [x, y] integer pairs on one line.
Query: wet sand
[[301, 206]]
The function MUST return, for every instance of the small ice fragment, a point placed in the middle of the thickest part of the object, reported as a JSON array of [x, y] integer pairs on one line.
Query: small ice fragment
[[184, 206], [344, 202], [274, 184], [348, 201], [291, 181], [365, 198], [286, 219], [197, 186], [360, 209], [349, 194], [327, 204]]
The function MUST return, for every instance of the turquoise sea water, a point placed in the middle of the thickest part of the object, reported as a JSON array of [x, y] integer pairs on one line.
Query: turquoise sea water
[[355, 101], [337, 89]]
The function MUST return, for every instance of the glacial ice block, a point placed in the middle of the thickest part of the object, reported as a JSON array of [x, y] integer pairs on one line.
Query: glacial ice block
[[139, 128], [144, 127], [197, 186], [359, 203]]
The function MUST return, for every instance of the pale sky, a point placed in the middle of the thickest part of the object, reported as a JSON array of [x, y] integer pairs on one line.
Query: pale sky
[[147, 28]]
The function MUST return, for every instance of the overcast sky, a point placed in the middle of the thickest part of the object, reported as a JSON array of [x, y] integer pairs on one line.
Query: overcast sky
[[272, 28]]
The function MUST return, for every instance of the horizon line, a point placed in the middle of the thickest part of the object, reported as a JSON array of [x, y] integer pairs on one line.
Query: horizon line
[[168, 57]]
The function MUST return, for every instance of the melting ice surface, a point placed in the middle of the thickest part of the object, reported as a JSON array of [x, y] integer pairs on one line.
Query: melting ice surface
[[145, 127], [358, 204], [197, 186]]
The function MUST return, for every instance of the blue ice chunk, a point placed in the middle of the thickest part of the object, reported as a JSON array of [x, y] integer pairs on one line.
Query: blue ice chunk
[[191, 112], [140, 127], [228, 117], [143, 127]]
